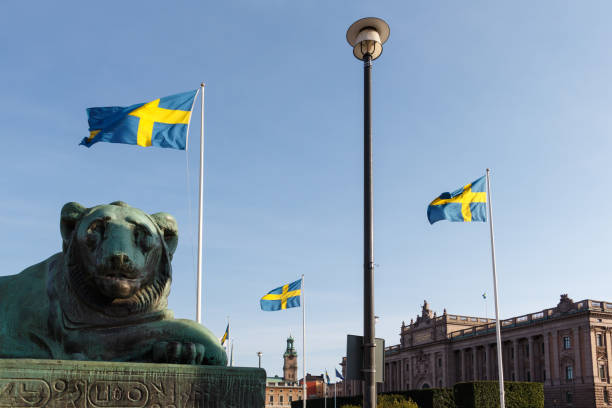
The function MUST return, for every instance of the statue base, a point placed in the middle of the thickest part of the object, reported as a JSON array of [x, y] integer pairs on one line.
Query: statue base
[[85, 384]]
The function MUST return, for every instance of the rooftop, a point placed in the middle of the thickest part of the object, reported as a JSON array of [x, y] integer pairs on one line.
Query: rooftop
[[565, 307]]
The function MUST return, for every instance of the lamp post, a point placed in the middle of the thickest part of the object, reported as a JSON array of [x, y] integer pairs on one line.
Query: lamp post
[[367, 36], [259, 353]]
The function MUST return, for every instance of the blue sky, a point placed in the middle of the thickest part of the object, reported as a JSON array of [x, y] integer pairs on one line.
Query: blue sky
[[524, 88]]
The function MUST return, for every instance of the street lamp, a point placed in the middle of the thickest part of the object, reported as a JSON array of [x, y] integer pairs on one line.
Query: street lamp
[[367, 36], [259, 353]]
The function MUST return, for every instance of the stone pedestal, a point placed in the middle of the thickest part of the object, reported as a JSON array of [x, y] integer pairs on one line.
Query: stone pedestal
[[85, 384]]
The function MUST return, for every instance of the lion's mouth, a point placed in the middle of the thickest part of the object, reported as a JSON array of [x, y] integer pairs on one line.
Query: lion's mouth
[[118, 285]]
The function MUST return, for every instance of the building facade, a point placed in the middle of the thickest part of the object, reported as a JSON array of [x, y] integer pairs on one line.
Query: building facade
[[280, 392], [567, 348]]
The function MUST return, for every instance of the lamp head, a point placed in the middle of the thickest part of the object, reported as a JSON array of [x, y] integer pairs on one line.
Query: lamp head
[[367, 36]]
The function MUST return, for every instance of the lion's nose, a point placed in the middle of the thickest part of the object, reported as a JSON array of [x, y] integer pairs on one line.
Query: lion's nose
[[119, 260]]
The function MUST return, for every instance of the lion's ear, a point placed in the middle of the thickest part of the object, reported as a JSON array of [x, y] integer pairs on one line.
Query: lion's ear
[[167, 224], [70, 216]]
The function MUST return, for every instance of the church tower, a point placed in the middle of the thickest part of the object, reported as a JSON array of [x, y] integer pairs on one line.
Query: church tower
[[290, 358]]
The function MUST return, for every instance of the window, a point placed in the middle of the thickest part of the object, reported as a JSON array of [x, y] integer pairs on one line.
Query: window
[[568, 396], [271, 398], [567, 344], [542, 347], [528, 376], [544, 374], [569, 372], [439, 362], [281, 399], [512, 353], [513, 379], [526, 350], [290, 398], [602, 371], [600, 342], [606, 396]]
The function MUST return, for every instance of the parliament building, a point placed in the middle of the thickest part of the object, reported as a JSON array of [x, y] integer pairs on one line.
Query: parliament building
[[567, 348]]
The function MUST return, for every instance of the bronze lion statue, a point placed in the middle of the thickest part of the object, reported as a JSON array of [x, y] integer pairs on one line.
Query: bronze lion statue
[[104, 297]]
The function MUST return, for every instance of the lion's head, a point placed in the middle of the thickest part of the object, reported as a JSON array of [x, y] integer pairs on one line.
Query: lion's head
[[118, 257]]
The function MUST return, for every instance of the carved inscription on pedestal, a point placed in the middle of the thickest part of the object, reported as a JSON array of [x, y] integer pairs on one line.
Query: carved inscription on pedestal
[[22, 392], [70, 384], [129, 394]]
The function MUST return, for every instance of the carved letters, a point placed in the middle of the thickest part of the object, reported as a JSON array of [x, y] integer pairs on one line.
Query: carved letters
[[152, 388]]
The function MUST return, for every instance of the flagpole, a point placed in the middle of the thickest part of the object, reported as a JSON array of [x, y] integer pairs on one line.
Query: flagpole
[[200, 211], [325, 392], [303, 344], [497, 322], [230, 345]]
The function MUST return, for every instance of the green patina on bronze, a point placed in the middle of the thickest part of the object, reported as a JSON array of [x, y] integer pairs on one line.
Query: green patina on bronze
[[104, 297]]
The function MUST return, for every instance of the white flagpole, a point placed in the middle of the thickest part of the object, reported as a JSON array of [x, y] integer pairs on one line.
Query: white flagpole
[[325, 391], [303, 345], [200, 211], [497, 322], [230, 345]]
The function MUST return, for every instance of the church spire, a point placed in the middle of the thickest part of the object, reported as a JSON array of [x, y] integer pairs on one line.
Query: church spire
[[290, 362]]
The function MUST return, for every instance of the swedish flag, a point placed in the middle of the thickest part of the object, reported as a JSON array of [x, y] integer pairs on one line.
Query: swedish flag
[[225, 335], [162, 122], [463, 205], [283, 297]]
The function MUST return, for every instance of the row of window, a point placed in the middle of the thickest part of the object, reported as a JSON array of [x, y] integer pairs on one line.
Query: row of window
[[599, 339], [280, 398], [569, 372]]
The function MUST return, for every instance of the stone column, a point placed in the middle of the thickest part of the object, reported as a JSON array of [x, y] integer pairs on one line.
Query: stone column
[[434, 369], [488, 362], [609, 351], [515, 345], [548, 378], [410, 373], [577, 359], [554, 375], [595, 370], [475, 362], [401, 372], [532, 372], [445, 362]]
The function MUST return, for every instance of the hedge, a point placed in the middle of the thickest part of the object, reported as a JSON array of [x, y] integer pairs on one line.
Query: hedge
[[428, 398], [485, 394], [479, 394]]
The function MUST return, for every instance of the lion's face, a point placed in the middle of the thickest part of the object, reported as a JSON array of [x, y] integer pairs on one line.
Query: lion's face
[[118, 251]]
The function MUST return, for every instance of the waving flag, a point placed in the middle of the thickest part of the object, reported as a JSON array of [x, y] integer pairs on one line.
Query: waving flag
[[162, 122], [283, 297], [463, 205], [225, 335]]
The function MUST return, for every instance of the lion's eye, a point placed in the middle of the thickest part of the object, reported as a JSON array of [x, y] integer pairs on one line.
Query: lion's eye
[[95, 232], [142, 237]]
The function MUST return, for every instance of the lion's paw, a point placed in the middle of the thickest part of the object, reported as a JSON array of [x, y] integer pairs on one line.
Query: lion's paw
[[177, 352]]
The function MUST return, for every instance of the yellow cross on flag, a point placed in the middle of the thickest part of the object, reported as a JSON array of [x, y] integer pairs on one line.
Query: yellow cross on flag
[[283, 297]]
